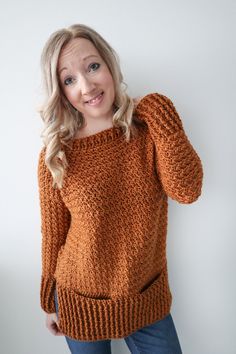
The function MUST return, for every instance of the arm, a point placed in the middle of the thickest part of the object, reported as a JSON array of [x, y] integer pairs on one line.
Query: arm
[[178, 164], [55, 222]]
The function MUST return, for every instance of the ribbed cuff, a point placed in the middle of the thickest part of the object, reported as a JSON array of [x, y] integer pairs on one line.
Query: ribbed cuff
[[48, 285]]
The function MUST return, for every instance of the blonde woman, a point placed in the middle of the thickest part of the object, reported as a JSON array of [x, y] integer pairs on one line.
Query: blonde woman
[[105, 172]]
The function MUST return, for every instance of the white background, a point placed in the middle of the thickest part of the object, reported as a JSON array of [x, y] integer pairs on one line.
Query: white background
[[182, 49]]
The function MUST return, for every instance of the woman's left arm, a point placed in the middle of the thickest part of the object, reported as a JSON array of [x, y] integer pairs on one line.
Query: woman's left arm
[[178, 164]]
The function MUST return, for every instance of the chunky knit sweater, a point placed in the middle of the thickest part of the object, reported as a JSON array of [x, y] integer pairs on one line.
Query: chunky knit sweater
[[104, 233]]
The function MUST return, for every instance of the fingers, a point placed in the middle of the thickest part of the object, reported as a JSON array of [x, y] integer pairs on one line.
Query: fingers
[[136, 100], [53, 325], [55, 329]]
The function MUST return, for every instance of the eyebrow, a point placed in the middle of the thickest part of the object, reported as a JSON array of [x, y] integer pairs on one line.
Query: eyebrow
[[88, 56]]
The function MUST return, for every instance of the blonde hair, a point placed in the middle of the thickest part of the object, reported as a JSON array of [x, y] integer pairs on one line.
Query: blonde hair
[[61, 119]]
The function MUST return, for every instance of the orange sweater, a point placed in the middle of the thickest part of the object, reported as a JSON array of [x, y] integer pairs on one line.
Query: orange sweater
[[104, 233]]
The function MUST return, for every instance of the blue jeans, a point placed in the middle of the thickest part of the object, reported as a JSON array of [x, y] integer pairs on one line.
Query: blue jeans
[[158, 338]]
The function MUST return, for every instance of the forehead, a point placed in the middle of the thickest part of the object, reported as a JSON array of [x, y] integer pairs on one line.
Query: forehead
[[79, 47]]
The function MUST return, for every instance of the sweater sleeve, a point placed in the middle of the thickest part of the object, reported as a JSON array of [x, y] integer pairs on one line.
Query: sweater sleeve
[[178, 164], [55, 222]]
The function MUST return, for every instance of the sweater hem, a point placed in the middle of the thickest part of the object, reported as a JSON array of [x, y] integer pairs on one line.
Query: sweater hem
[[89, 319]]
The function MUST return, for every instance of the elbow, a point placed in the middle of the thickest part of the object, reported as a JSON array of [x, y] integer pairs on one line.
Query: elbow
[[187, 198], [187, 191], [184, 197]]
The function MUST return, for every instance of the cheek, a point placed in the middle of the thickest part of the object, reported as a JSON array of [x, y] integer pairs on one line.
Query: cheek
[[110, 85], [71, 97], [66, 95], [107, 78]]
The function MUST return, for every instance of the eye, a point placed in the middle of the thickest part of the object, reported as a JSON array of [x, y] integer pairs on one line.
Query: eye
[[66, 81], [94, 65]]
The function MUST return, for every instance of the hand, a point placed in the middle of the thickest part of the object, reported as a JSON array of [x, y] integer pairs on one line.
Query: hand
[[52, 324], [136, 100]]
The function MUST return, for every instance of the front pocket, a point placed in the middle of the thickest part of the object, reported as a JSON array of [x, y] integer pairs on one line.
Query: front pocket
[[92, 296], [156, 284], [151, 283]]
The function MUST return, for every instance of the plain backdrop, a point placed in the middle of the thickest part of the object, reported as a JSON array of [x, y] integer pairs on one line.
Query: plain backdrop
[[182, 49]]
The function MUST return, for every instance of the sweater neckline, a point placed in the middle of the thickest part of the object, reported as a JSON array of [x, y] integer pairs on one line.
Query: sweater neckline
[[102, 137]]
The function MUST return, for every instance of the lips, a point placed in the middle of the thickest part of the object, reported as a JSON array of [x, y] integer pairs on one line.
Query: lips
[[101, 93]]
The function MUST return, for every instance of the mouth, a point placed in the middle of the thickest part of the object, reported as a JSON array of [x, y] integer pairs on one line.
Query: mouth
[[95, 99]]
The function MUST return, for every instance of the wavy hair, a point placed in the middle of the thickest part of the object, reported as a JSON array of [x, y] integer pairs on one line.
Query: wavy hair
[[61, 119]]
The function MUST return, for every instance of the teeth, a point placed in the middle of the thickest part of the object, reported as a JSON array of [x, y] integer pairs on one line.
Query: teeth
[[95, 99]]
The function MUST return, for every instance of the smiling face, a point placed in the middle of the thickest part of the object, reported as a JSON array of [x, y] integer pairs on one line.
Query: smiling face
[[83, 75]]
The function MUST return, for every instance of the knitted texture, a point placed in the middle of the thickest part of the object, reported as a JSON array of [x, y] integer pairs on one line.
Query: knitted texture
[[104, 233]]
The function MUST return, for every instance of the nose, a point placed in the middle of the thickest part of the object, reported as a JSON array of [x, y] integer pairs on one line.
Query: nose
[[86, 85]]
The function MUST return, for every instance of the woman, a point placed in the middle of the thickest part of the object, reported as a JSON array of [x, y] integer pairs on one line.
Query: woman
[[108, 165]]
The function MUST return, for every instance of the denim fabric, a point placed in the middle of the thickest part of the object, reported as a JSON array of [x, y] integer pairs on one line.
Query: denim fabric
[[159, 337]]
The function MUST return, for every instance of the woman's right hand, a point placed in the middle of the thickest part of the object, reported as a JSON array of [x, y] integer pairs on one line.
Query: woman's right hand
[[136, 100], [52, 324]]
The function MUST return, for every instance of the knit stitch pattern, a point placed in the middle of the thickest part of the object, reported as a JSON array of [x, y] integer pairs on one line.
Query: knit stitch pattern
[[104, 233]]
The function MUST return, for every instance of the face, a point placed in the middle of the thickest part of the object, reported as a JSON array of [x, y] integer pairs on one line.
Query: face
[[84, 75]]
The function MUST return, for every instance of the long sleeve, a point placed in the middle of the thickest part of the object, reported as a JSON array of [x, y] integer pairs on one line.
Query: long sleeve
[[178, 164], [55, 222]]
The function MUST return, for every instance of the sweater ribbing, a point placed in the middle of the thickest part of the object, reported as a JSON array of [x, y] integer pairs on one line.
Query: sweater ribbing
[[104, 233]]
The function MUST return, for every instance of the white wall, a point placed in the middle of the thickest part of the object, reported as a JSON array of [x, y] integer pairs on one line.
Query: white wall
[[183, 49]]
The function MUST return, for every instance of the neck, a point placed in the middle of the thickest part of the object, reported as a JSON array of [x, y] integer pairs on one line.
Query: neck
[[92, 127]]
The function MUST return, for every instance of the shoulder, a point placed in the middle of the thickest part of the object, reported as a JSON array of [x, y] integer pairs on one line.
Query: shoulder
[[150, 98], [42, 167], [159, 110], [41, 156], [154, 99]]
